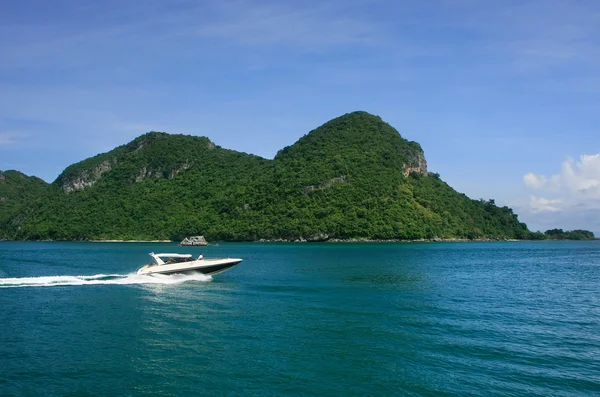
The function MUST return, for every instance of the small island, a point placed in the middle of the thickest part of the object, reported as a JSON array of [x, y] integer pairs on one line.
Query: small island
[[560, 234]]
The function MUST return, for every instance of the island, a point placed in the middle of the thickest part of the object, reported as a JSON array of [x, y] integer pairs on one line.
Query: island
[[355, 178]]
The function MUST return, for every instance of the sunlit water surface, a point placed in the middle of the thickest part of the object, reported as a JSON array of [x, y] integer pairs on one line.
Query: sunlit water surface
[[484, 319]]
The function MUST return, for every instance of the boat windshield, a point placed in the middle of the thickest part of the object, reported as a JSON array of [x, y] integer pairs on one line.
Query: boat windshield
[[173, 259]]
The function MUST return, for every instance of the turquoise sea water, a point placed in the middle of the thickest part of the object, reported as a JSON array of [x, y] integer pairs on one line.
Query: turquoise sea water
[[483, 319]]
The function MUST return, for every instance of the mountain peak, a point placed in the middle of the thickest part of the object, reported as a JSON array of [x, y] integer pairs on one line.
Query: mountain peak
[[357, 115], [356, 140]]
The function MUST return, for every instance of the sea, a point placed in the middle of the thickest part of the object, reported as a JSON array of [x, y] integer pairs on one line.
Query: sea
[[303, 319]]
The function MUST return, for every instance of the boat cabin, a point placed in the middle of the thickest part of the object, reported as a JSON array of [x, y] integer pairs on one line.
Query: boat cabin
[[167, 259]]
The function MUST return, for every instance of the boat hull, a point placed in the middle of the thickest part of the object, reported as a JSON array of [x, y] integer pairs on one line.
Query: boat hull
[[206, 266]]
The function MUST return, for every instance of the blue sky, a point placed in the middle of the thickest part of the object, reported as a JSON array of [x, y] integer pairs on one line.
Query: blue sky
[[504, 96]]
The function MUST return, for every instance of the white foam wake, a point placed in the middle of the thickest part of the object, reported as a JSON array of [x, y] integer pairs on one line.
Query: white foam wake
[[118, 279]]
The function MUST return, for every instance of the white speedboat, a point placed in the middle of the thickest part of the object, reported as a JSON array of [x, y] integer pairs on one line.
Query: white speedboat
[[185, 263]]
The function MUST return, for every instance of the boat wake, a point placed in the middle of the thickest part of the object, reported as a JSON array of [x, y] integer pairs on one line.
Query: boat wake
[[100, 279]]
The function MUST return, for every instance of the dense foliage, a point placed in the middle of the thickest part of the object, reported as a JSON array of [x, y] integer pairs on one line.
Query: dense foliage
[[350, 178], [559, 234], [16, 189]]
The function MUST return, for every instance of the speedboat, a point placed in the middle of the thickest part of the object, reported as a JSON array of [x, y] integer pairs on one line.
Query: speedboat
[[185, 263]]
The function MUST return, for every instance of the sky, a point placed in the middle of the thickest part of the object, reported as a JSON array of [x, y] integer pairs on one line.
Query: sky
[[503, 96]]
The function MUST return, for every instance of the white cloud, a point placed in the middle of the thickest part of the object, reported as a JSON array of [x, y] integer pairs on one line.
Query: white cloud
[[540, 204], [577, 180], [534, 181], [541, 182], [572, 197], [583, 177]]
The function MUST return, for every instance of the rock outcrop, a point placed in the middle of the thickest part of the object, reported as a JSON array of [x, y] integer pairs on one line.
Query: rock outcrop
[[86, 177], [418, 164], [326, 185], [194, 241], [318, 238], [146, 173]]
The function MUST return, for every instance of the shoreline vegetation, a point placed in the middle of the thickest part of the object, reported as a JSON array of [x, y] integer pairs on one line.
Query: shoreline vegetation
[[329, 241], [127, 241]]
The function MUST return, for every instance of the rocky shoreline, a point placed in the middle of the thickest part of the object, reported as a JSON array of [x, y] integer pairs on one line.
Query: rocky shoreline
[[194, 241], [281, 240], [303, 240], [125, 241], [365, 240]]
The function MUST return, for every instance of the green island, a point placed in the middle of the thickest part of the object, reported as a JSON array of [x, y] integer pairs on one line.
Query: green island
[[353, 178]]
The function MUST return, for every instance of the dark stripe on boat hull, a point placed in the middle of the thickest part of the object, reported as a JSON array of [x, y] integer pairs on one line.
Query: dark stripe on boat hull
[[208, 270]]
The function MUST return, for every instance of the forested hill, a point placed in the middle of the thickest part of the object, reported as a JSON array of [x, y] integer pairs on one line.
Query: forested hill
[[353, 177], [16, 189]]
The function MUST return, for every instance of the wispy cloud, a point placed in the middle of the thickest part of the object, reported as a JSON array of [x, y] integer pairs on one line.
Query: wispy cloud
[[179, 28], [13, 138], [6, 138], [96, 74], [537, 33], [306, 25]]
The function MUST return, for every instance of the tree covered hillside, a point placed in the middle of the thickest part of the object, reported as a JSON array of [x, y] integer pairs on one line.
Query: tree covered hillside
[[16, 189], [353, 177]]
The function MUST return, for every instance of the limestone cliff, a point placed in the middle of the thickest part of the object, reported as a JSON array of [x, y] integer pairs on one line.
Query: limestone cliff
[[86, 177], [418, 164]]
